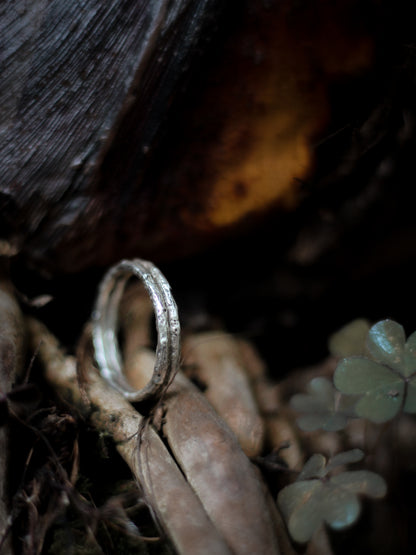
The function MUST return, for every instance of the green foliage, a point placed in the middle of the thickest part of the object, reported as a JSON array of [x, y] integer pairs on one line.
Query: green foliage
[[376, 380], [386, 380], [322, 407], [376, 386], [316, 497], [350, 340]]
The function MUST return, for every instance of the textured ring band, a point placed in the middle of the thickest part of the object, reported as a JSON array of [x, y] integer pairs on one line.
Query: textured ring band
[[105, 326]]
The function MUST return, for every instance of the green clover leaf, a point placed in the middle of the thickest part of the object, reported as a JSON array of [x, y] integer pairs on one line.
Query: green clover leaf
[[323, 407], [386, 383], [350, 340], [316, 498]]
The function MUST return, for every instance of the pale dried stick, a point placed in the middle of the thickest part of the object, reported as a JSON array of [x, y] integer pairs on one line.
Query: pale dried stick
[[216, 467], [204, 446], [12, 338], [136, 311], [225, 480], [279, 430], [216, 362], [318, 441], [176, 506]]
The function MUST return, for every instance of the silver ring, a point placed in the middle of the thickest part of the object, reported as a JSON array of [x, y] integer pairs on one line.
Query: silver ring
[[105, 326]]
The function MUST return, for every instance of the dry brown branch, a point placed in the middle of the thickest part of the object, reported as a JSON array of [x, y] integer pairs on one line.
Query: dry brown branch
[[11, 362], [135, 318], [174, 503], [202, 443], [136, 312], [217, 363], [217, 469], [319, 441], [279, 430]]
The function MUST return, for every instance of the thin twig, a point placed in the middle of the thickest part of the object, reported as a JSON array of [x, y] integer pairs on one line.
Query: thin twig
[[177, 508]]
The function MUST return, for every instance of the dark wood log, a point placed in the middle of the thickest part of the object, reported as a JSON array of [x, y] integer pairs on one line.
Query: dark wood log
[[85, 88], [154, 128]]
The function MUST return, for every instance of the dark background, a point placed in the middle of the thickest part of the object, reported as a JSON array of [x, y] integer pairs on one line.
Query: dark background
[[290, 278]]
